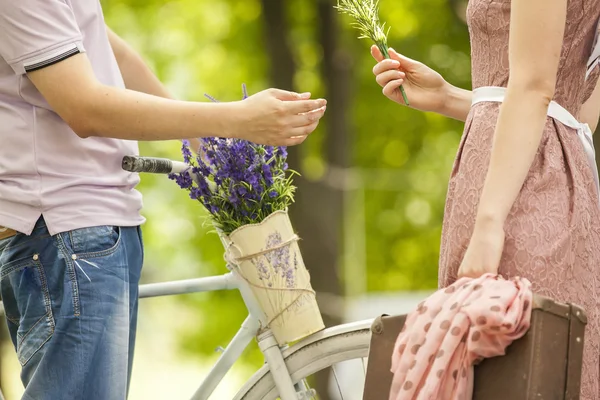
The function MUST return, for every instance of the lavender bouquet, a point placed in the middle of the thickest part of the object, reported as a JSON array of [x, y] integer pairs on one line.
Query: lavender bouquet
[[238, 182], [246, 189]]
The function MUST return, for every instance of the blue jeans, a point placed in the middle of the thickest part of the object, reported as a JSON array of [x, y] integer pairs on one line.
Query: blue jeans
[[71, 306]]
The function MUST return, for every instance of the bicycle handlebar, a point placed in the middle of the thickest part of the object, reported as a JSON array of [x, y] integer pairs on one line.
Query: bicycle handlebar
[[152, 165]]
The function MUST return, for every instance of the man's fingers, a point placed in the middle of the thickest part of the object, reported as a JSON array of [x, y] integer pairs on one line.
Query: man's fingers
[[389, 89], [385, 65], [388, 76], [304, 106], [307, 118], [298, 133], [289, 96], [303, 130], [293, 141]]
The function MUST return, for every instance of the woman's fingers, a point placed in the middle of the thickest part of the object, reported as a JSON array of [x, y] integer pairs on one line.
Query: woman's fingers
[[376, 53], [389, 89], [387, 76], [407, 62], [394, 56], [385, 65]]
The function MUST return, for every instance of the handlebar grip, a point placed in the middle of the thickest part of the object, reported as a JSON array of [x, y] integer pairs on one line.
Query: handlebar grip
[[152, 165]]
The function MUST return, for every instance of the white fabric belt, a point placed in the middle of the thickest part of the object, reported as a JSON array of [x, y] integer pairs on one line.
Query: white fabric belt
[[556, 111]]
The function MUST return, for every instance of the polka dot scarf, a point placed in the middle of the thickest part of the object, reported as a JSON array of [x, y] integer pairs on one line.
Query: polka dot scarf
[[454, 329]]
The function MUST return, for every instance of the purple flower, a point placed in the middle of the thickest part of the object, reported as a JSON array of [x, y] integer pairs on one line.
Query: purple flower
[[233, 199], [195, 193], [267, 174], [282, 152], [185, 150], [237, 181], [184, 180]]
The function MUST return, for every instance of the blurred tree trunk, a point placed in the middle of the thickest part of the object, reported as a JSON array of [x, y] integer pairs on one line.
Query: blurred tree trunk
[[282, 66], [459, 7], [317, 213]]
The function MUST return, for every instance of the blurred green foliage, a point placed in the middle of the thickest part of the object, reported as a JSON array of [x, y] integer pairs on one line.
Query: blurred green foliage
[[202, 46]]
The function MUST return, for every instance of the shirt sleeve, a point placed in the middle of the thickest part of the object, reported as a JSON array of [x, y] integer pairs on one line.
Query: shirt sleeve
[[37, 33]]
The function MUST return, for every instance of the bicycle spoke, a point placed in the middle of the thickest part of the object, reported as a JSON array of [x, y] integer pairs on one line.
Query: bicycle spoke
[[337, 382], [362, 361]]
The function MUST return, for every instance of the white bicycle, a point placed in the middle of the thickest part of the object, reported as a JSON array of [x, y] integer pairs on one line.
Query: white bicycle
[[288, 371]]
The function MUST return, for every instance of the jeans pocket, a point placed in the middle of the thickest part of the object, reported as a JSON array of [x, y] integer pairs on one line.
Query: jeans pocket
[[94, 258], [27, 305], [94, 242]]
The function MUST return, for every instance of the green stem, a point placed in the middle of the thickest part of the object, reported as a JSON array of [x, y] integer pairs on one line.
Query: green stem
[[384, 50]]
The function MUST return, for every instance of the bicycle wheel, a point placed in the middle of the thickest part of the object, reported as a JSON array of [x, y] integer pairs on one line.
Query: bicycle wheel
[[334, 351]]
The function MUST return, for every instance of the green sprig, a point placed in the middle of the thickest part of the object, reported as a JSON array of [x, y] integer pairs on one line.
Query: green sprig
[[366, 20]]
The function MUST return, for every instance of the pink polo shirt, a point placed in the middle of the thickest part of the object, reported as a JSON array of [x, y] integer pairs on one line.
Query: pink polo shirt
[[45, 168]]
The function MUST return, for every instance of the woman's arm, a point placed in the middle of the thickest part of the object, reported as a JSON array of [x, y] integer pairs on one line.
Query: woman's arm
[[426, 88], [590, 111], [457, 104], [536, 37]]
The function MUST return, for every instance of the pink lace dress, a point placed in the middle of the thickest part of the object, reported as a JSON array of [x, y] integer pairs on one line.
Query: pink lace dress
[[553, 230]]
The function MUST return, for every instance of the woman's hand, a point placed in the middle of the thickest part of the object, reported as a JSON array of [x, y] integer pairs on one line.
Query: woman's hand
[[485, 250], [425, 89]]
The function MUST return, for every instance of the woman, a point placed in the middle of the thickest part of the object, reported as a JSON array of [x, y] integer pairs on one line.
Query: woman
[[523, 197]]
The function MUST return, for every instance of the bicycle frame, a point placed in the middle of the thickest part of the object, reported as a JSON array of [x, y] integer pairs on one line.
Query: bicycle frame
[[250, 329]]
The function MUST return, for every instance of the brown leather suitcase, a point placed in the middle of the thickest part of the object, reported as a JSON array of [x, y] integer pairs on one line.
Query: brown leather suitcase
[[545, 364]]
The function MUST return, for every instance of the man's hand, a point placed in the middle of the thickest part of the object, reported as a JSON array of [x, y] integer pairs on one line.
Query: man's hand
[[276, 116], [93, 109]]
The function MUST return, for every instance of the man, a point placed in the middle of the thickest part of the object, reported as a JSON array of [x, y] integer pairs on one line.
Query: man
[[74, 98]]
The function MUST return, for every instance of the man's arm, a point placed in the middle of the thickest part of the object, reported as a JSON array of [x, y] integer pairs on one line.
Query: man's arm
[[136, 73], [41, 40], [93, 109]]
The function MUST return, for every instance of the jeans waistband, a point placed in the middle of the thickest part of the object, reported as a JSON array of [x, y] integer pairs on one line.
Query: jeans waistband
[[555, 111]]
